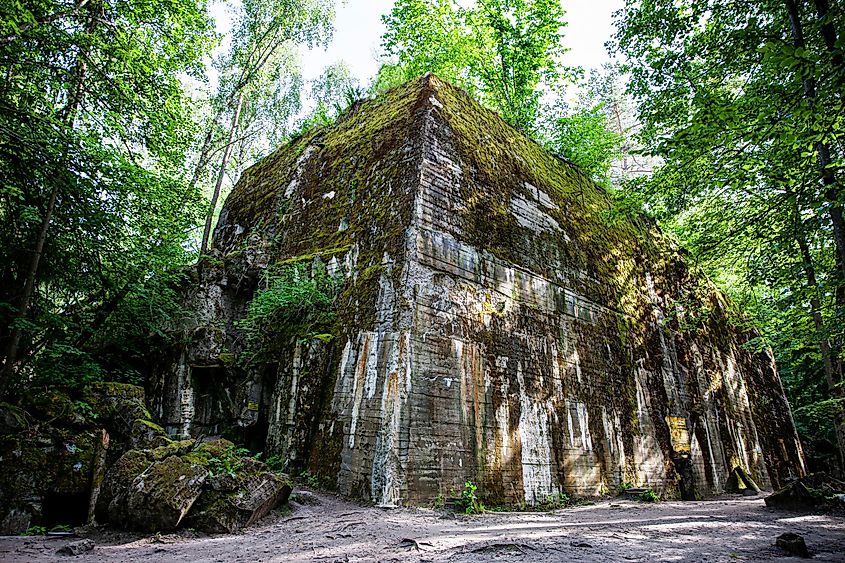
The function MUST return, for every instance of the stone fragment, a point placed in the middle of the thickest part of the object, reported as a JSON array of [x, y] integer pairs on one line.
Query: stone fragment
[[220, 511], [793, 544], [12, 419], [145, 434], [740, 482], [147, 494], [817, 491], [77, 547]]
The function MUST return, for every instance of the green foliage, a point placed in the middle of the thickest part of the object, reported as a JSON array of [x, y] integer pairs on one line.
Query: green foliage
[[649, 496], [334, 92], [85, 410], [742, 103], [624, 486], [290, 303], [439, 501], [309, 479], [469, 503], [275, 463], [262, 68], [35, 531], [227, 462], [584, 137], [65, 366], [42, 530], [388, 76], [555, 502], [501, 51], [95, 119]]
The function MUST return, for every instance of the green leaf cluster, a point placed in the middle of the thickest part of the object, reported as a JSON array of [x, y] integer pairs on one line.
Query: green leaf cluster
[[500, 51], [95, 125], [742, 103], [292, 302]]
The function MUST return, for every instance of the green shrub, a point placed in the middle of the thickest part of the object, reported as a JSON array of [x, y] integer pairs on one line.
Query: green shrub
[[555, 502], [309, 479], [291, 302], [275, 463], [34, 531], [469, 503], [649, 496], [624, 486]]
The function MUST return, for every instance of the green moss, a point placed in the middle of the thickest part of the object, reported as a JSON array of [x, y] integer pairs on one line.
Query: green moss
[[175, 448], [227, 358], [12, 417], [150, 424], [323, 253]]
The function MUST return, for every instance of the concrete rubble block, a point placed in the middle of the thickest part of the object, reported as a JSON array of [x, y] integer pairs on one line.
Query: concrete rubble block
[[221, 511], [77, 547], [145, 434], [144, 494], [793, 544], [46, 476], [118, 406], [815, 492]]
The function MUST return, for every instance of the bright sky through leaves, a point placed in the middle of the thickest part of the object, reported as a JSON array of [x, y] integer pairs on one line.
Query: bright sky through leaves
[[358, 31]]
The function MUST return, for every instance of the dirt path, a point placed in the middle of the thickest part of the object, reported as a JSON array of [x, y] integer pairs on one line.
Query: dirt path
[[727, 529]]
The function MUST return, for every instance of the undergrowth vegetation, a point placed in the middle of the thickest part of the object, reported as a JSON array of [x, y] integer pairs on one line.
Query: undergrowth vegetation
[[291, 302]]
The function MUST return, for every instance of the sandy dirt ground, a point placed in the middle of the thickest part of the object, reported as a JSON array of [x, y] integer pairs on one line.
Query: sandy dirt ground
[[330, 529]]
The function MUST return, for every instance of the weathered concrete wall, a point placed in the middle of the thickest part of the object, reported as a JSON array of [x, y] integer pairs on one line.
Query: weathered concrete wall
[[497, 322]]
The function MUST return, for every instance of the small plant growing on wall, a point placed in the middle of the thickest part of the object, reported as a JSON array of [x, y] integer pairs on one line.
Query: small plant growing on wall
[[292, 301]]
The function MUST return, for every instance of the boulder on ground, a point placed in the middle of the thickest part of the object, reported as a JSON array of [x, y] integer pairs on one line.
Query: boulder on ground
[[77, 547], [149, 490], [118, 406], [207, 486], [12, 419], [46, 477], [145, 434], [52, 450], [817, 491], [241, 501], [793, 544]]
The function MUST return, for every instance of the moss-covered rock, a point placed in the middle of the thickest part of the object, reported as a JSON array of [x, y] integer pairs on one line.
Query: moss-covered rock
[[219, 490], [51, 405], [148, 495], [113, 495], [815, 492], [43, 471], [13, 419], [117, 405], [171, 448], [228, 511], [49, 444], [146, 434]]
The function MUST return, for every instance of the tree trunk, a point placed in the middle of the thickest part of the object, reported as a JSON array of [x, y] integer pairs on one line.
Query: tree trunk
[[209, 218], [832, 190], [830, 366], [831, 193]]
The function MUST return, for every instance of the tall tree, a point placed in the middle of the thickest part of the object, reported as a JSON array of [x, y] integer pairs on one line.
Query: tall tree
[[743, 102], [260, 83], [502, 51], [95, 125]]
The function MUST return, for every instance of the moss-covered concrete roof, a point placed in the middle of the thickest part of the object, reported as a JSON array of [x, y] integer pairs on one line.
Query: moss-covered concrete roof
[[352, 187]]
